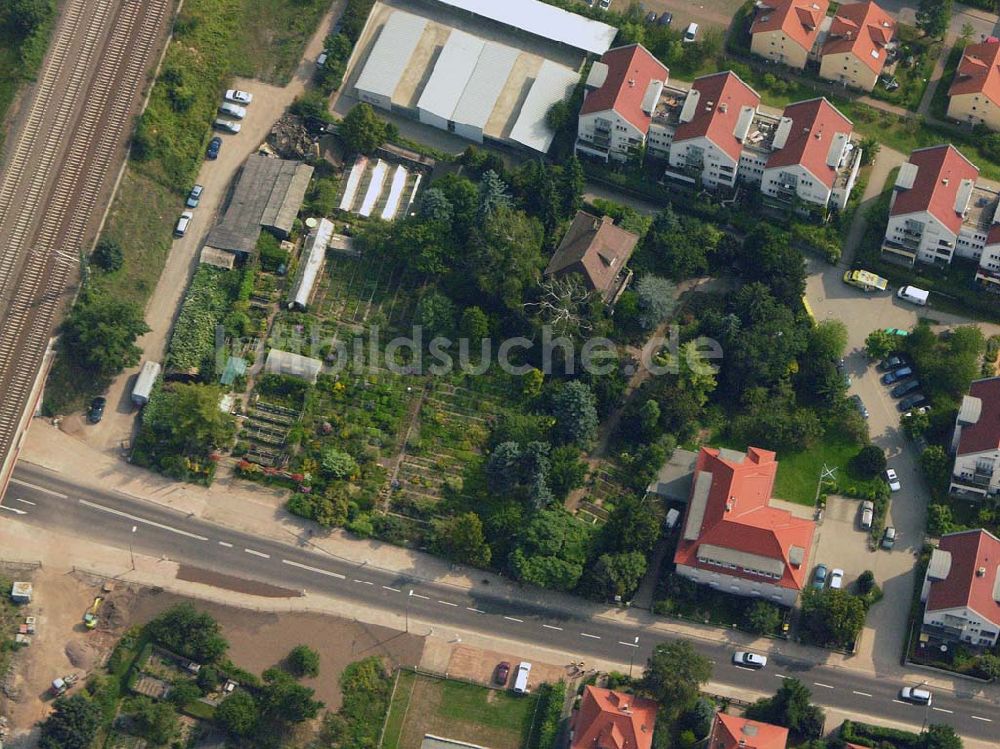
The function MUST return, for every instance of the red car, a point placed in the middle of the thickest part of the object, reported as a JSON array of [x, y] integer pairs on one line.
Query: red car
[[501, 673]]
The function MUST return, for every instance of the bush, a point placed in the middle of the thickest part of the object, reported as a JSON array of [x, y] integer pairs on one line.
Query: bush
[[108, 255], [869, 462], [550, 705], [303, 661], [189, 632]]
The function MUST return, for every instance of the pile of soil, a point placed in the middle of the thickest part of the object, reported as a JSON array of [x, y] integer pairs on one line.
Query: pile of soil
[[289, 138], [81, 655]]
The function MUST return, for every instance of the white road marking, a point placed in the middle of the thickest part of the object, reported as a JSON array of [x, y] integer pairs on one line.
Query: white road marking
[[24, 501], [592, 637], [137, 519], [313, 569], [226, 544], [39, 488], [478, 611], [900, 702], [629, 644], [781, 676], [363, 582], [394, 590], [13, 509], [985, 720], [863, 694], [257, 553], [942, 710], [417, 595], [514, 619], [448, 603], [550, 626], [825, 686]]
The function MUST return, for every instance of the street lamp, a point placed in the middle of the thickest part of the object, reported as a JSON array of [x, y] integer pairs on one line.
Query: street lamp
[[408, 597], [631, 656], [131, 556]]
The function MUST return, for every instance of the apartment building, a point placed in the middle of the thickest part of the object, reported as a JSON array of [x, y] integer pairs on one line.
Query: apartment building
[[857, 45], [976, 442], [785, 31], [974, 94]]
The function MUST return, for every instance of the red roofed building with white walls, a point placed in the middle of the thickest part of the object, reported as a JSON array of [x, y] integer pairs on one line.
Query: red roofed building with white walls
[[785, 31], [732, 539], [608, 719], [857, 46], [976, 442], [974, 94]]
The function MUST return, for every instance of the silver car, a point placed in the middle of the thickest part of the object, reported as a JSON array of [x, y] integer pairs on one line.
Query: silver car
[[746, 659], [228, 125]]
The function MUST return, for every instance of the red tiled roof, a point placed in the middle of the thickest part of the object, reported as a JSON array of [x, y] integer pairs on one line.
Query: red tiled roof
[[985, 433], [940, 171], [861, 29], [630, 71], [738, 516], [799, 19], [594, 247], [613, 720], [979, 72], [732, 732], [815, 123], [722, 96], [970, 551]]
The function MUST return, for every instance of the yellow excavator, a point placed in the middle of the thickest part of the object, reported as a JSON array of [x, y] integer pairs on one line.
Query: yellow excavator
[[90, 617]]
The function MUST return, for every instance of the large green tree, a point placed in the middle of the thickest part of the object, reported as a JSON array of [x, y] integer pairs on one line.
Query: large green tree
[[551, 550], [940, 736], [674, 675], [461, 538], [155, 721], [934, 16], [791, 707], [303, 661], [100, 333], [282, 700], [185, 419], [189, 632], [72, 724], [362, 131], [617, 576], [833, 617], [575, 410], [238, 714]]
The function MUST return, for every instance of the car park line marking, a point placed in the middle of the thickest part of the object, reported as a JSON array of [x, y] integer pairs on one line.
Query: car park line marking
[[137, 519], [39, 488], [551, 626], [514, 619], [942, 710], [317, 570], [592, 637], [900, 702], [226, 544], [863, 694], [394, 590], [985, 720], [477, 611], [257, 553], [448, 603], [417, 595], [825, 686], [24, 501], [13, 509]]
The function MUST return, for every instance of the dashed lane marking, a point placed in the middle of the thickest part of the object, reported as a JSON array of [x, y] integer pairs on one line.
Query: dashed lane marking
[[257, 553], [629, 644], [592, 637], [514, 619], [552, 626], [137, 519], [24, 501], [317, 570], [364, 582], [226, 544], [985, 720], [900, 702], [781, 676], [863, 694], [942, 710], [820, 684], [417, 595], [39, 488], [448, 603], [476, 611], [394, 590]]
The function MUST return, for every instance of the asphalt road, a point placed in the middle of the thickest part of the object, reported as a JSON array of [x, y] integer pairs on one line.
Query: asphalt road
[[40, 498]]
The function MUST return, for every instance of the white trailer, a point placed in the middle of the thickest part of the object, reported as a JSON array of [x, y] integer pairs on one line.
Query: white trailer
[[144, 383]]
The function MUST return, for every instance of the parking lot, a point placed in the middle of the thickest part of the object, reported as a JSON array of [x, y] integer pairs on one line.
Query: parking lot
[[840, 542], [718, 13]]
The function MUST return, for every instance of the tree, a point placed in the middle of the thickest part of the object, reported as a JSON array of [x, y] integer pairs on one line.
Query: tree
[[474, 325], [699, 717], [337, 463], [493, 195], [155, 721], [833, 617], [185, 692], [362, 131], [461, 538], [941, 737], [764, 618], [100, 333], [566, 471], [564, 303], [436, 313], [24, 16], [792, 708], [989, 664], [551, 550], [633, 525], [879, 344], [939, 519], [828, 339], [575, 412], [72, 724], [870, 146], [657, 300], [617, 576], [866, 582], [769, 258], [238, 714], [435, 206], [185, 419], [674, 675], [934, 16], [303, 661], [936, 465], [108, 255], [649, 419], [283, 700], [869, 461], [189, 632]]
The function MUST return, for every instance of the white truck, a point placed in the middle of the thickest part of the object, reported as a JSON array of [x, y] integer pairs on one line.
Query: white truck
[[913, 295], [144, 383]]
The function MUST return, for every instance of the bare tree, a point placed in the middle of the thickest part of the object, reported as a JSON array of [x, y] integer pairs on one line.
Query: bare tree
[[563, 303]]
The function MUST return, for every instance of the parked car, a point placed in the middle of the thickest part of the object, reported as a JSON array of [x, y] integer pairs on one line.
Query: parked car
[[906, 404], [194, 197], [895, 376], [666, 18], [238, 97], [749, 660], [604, 4], [501, 673], [860, 405], [651, 17], [96, 412], [916, 695], [897, 331], [867, 514], [214, 146], [690, 33], [182, 224], [904, 388], [837, 579], [521, 677], [228, 125], [233, 110], [321, 60], [819, 577], [893, 362], [889, 538], [892, 480]]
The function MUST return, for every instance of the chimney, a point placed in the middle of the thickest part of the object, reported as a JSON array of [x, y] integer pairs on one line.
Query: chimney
[[981, 572], [723, 107], [631, 82], [730, 504], [945, 182]]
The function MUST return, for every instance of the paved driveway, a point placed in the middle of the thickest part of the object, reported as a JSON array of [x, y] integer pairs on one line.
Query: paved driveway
[[839, 540]]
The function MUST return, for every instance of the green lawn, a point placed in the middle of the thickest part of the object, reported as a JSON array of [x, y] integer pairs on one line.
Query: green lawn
[[464, 712]]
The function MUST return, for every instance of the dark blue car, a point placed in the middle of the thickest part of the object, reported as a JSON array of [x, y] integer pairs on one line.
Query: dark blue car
[[213, 147], [900, 374]]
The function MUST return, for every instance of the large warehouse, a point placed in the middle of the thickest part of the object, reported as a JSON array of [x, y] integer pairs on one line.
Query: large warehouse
[[469, 81]]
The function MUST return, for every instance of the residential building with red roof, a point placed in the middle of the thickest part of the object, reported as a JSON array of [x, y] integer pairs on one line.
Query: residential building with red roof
[[961, 591], [608, 719], [857, 45], [732, 538], [812, 159], [785, 31], [976, 442], [937, 210], [622, 91], [598, 251], [988, 272], [974, 95], [733, 732]]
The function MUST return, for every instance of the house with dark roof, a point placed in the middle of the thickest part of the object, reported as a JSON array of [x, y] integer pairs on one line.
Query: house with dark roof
[[622, 91], [733, 732], [974, 94], [976, 442], [732, 539], [857, 45], [785, 31], [598, 251], [961, 591], [937, 210], [608, 719]]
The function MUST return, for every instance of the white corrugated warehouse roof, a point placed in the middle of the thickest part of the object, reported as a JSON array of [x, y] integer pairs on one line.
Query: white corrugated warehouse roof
[[545, 21], [391, 53], [487, 81], [452, 71], [553, 83]]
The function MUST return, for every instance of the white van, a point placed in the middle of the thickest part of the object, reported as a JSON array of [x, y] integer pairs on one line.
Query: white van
[[521, 677], [913, 295], [182, 224], [233, 110], [691, 32], [673, 515]]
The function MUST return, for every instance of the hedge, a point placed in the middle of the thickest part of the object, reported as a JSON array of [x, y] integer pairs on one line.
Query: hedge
[[869, 735], [551, 698]]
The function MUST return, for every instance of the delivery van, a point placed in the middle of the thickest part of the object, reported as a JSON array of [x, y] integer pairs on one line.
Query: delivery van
[[913, 295], [521, 677]]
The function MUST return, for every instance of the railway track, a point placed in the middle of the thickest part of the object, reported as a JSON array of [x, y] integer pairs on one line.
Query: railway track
[[59, 169]]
